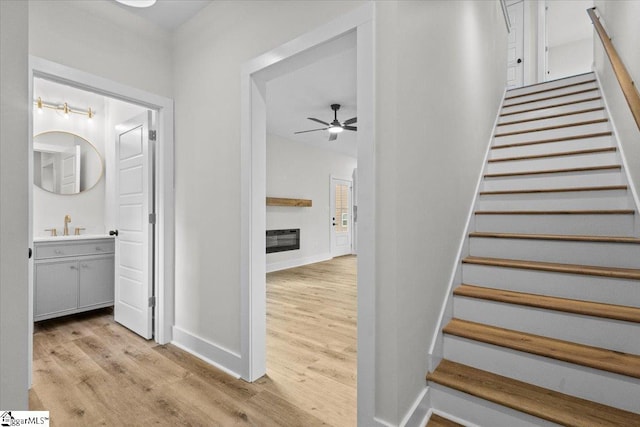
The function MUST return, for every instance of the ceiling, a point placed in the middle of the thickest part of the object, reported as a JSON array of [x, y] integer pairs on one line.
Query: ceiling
[[328, 77], [567, 21], [168, 14]]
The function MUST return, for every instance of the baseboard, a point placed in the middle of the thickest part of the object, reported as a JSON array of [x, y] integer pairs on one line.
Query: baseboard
[[298, 262], [419, 412], [213, 354], [416, 416]]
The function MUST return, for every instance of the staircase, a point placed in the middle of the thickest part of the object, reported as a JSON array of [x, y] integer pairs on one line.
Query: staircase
[[545, 325]]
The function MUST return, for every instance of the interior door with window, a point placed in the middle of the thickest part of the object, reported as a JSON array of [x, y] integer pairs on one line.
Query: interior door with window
[[340, 211], [134, 234]]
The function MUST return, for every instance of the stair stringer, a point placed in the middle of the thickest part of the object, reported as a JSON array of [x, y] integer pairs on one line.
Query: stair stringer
[[436, 349], [621, 156]]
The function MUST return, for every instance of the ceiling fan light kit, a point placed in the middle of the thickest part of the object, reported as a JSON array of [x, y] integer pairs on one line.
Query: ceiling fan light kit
[[335, 127]]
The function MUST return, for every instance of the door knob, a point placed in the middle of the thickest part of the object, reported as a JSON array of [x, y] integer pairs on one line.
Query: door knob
[[519, 60], [113, 233]]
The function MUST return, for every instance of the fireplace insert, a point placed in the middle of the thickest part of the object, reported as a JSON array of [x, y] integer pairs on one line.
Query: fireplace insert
[[283, 240]]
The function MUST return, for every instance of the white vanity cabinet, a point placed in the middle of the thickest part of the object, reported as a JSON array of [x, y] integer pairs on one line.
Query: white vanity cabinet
[[72, 276]]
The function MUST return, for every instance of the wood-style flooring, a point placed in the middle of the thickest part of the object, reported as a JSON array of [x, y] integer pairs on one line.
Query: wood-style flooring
[[90, 371]]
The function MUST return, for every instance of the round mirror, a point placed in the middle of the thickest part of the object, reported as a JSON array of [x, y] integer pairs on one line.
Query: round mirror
[[65, 163]]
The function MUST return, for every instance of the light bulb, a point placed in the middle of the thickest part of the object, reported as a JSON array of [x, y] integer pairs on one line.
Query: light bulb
[[335, 129], [39, 104]]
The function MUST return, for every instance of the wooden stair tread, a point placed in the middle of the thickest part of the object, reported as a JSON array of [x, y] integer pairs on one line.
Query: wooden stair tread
[[589, 270], [562, 104], [533, 400], [551, 171], [563, 237], [551, 89], [438, 421], [550, 140], [562, 126], [561, 212], [587, 308], [566, 351], [558, 154], [549, 81], [552, 116], [546, 98], [555, 190], [617, 272]]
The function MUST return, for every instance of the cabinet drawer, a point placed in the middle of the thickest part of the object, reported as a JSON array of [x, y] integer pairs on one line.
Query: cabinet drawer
[[56, 250]]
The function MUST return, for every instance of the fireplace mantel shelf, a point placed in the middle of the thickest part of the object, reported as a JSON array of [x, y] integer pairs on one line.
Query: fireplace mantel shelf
[[279, 201]]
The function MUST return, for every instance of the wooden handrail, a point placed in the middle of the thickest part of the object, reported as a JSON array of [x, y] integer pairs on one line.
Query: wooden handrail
[[624, 78]]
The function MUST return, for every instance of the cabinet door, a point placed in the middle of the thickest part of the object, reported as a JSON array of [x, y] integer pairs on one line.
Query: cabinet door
[[96, 281], [56, 288]]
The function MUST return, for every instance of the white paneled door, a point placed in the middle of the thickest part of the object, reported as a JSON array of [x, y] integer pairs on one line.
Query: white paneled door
[[134, 239], [515, 46], [341, 226]]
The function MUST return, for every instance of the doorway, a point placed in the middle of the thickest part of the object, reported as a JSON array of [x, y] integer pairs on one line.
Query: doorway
[[162, 170], [254, 75]]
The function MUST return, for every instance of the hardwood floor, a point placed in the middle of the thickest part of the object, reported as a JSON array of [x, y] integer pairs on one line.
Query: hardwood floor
[[88, 370]]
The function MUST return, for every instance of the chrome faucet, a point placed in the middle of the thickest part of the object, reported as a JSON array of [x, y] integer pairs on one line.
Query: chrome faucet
[[67, 220]]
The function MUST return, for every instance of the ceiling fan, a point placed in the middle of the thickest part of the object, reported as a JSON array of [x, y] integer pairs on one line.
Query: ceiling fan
[[334, 127]]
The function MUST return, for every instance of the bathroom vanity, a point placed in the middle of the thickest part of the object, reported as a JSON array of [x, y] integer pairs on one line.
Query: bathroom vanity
[[72, 274]]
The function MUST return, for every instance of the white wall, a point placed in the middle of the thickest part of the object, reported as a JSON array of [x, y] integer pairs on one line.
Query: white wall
[[14, 313], [87, 208], [570, 59], [209, 52], [296, 170], [101, 38], [440, 77], [621, 21]]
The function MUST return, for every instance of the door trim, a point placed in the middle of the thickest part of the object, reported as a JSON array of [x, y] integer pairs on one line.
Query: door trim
[[164, 179], [253, 213]]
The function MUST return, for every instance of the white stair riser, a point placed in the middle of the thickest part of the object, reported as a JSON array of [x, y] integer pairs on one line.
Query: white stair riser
[[586, 383], [549, 201], [549, 93], [553, 147], [559, 180], [591, 115], [551, 111], [549, 103], [588, 330], [551, 84], [563, 285], [623, 255], [478, 411], [598, 225], [560, 162], [552, 134]]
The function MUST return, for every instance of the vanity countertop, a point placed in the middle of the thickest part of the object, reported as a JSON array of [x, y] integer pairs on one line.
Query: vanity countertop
[[71, 237]]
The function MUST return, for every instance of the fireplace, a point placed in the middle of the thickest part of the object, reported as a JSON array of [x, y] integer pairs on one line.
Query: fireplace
[[283, 240]]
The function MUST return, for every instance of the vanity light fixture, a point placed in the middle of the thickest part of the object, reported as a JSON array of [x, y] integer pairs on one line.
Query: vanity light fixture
[[64, 108]]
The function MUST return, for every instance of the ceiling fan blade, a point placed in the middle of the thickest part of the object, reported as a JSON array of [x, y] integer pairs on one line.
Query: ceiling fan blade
[[350, 121], [353, 128], [319, 121], [312, 130], [333, 136]]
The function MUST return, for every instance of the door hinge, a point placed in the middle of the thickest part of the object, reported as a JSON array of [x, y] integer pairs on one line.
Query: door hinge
[[152, 218], [152, 135], [152, 301]]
